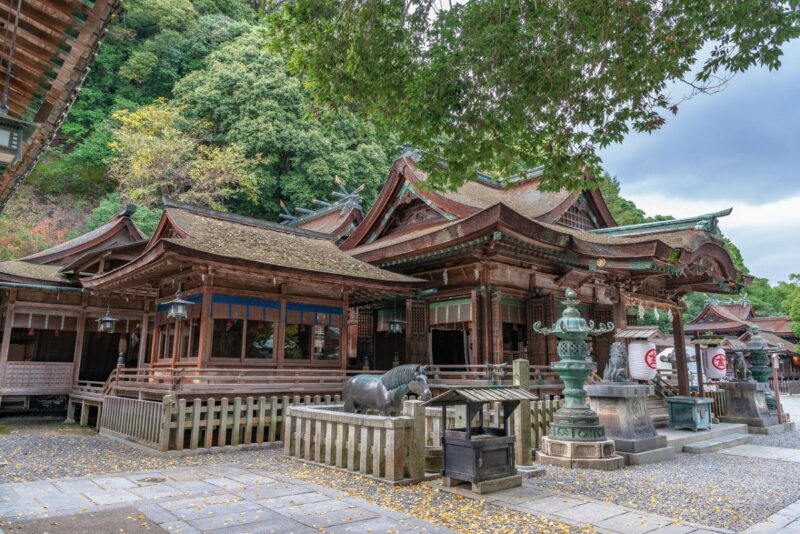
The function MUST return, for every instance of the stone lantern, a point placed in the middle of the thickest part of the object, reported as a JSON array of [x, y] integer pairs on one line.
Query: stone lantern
[[758, 351], [576, 437]]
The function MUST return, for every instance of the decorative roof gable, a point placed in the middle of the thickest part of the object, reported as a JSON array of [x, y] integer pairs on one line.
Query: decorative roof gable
[[120, 230]]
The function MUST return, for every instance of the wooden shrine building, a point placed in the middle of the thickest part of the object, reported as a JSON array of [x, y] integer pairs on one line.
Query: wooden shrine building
[[444, 279], [733, 320]]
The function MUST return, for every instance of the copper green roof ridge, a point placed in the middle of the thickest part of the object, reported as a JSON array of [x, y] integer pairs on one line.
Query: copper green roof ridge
[[706, 222]]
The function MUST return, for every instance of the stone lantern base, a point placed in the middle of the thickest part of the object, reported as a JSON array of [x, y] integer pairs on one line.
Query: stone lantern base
[[746, 404], [580, 454], [622, 409]]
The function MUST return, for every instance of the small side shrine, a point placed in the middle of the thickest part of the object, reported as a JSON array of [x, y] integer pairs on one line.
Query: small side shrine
[[480, 455]]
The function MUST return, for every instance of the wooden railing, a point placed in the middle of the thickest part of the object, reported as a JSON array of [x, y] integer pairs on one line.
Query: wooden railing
[[156, 382], [719, 399], [663, 387], [137, 420]]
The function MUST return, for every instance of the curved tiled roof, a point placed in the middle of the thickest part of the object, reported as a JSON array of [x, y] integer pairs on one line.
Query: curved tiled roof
[[249, 239], [32, 271]]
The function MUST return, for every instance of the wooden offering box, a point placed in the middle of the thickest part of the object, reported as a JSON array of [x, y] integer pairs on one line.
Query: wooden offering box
[[480, 455]]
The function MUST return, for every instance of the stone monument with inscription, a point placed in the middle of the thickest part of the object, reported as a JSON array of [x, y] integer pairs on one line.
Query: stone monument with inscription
[[622, 408], [576, 438]]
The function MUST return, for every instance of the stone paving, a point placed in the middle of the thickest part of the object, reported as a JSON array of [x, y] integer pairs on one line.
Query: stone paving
[[765, 452], [219, 500], [586, 513]]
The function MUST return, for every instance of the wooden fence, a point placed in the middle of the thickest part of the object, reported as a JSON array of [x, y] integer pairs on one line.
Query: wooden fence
[[391, 448], [175, 424], [719, 400], [137, 420]]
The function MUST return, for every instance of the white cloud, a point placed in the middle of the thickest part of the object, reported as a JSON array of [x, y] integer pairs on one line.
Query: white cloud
[[768, 234]]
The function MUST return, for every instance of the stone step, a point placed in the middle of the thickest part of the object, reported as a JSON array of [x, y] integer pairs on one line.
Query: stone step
[[717, 444], [680, 438], [659, 414]]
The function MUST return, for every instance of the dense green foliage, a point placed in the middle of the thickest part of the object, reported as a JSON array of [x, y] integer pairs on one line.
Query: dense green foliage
[[510, 84], [250, 101], [214, 103]]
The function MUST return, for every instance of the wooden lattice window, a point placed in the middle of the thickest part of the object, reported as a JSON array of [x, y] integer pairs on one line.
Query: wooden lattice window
[[579, 216], [365, 323]]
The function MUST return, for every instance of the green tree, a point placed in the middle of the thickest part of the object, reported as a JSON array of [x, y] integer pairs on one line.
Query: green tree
[[160, 154], [145, 217], [150, 45], [509, 84], [249, 99], [791, 301], [625, 211]]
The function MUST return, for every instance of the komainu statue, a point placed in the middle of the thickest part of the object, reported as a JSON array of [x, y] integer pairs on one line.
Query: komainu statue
[[617, 364], [385, 393]]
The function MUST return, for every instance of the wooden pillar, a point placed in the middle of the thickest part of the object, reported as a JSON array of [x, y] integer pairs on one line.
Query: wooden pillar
[[416, 452], [143, 333], [522, 416], [698, 359], [176, 341], [80, 336], [680, 353], [344, 331], [280, 330], [6, 343], [620, 314], [206, 325]]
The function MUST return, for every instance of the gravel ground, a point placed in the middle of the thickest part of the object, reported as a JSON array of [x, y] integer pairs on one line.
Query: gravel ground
[[712, 489], [790, 440], [37, 451]]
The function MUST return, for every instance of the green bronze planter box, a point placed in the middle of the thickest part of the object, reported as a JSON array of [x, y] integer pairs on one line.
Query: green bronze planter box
[[693, 413]]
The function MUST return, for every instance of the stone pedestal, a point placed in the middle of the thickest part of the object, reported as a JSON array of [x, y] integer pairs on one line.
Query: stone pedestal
[[622, 409], [746, 404], [692, 413], [581, 454]]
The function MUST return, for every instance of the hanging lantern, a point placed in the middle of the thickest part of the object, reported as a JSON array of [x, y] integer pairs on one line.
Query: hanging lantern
[[13, 134], [656, 314], [641, 311], [178, 308], [642, 359], [396, 326], [106, 324], [669, 314], [715, 363]]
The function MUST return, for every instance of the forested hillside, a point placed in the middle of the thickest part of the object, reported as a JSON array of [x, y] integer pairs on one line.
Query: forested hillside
[[195, 100]]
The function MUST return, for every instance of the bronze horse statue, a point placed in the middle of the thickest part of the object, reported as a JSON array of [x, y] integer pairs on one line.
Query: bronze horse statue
[[385, 393]]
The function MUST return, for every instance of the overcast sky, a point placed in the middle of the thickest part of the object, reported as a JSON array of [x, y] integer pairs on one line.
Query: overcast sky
[[739, 148]]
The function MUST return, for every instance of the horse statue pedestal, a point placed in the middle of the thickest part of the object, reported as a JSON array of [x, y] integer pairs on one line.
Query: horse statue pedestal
[[622, 409]]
